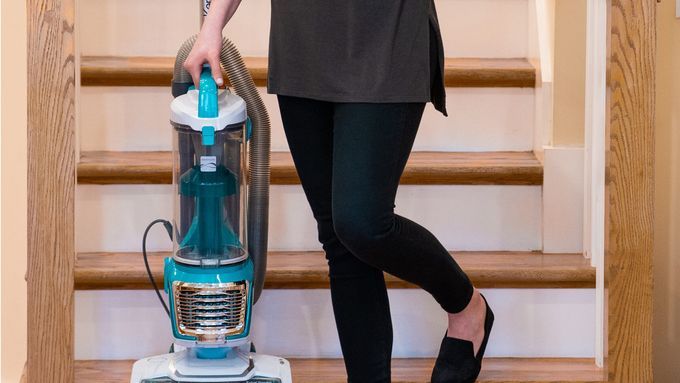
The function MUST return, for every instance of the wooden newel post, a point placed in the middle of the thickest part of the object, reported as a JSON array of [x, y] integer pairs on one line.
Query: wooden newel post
[[51, 187], [630, 189]]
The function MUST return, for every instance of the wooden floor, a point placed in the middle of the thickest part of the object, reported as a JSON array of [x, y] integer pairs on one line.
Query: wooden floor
[[403, 370], [308, 269], [423, 168], [157, 71]]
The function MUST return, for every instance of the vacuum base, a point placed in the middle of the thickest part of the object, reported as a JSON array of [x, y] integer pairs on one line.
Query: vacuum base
[[237, 367]]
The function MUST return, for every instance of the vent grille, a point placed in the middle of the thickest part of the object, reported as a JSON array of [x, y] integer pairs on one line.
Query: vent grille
[[210, 311]]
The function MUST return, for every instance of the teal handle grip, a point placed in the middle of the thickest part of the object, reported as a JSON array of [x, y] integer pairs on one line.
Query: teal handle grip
[[207, 95]]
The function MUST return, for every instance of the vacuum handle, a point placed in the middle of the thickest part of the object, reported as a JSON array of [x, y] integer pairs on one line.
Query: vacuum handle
[[207, 95]]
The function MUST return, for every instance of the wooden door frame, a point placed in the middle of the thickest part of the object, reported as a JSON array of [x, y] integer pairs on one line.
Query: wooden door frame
[[52, 182]]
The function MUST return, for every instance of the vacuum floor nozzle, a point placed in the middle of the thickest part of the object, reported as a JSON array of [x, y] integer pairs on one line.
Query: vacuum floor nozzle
[[253, 380]]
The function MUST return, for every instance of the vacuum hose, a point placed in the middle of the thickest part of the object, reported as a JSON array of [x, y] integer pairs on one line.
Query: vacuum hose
[[259, 147]]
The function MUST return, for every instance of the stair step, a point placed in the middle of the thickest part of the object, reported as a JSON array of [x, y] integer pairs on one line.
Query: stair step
[[423, 168], [403, 370], [308, 270], [157, 71]]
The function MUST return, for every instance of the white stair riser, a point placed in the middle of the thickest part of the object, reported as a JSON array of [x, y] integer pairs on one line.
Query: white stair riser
[[480, 119], [112, 218], [132, 27], [529, 323]]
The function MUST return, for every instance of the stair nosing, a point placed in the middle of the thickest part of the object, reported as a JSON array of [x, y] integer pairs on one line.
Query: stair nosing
[[497, 269], [423, 168], [157, 71]]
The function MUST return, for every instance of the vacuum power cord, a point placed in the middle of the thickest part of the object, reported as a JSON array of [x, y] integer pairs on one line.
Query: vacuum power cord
[[168, 228]]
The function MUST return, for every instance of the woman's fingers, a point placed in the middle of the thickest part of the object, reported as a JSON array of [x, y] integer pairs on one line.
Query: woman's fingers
[[214, 62], [194, 68], [201, 53]]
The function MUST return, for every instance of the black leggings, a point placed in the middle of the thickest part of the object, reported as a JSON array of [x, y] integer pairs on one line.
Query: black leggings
[[349, 157]]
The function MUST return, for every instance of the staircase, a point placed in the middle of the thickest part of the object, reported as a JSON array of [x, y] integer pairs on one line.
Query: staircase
[[473, 180]]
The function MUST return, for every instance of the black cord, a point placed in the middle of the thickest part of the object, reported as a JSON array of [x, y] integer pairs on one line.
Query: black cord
[[168, 228]]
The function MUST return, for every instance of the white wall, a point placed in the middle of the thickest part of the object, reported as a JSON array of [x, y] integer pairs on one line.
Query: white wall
[[667, 199], [14, 206]]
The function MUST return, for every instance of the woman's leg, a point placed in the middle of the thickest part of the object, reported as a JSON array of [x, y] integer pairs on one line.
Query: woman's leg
[[371, 143], [358, 292]]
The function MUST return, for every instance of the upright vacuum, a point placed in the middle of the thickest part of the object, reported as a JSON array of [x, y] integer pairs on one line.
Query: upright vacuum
[[216, 271]]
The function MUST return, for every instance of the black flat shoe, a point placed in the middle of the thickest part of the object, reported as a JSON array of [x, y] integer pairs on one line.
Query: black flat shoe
[[457, 362]]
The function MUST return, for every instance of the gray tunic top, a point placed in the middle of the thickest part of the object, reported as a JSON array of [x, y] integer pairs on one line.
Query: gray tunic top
[[357, 51]]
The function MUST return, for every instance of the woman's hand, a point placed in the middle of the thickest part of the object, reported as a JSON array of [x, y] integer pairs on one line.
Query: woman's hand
[[206, 49], [208, 45]]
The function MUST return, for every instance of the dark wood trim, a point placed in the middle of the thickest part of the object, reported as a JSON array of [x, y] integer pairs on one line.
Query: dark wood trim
[[51, 187], [629, 213]]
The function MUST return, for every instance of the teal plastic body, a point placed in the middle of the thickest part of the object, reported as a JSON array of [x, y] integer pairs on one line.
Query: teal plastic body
[[209, 235], [207, 96], [177, 272]]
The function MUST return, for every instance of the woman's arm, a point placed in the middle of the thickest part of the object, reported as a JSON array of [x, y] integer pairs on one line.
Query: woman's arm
[[209, 43]]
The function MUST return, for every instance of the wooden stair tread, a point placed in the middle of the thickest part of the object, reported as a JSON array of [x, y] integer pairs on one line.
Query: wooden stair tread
[[423, 168], [157, 71], [403, 370], [308, 269]]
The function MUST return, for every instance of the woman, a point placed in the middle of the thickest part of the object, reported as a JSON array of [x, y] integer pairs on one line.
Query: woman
[[352, 79]]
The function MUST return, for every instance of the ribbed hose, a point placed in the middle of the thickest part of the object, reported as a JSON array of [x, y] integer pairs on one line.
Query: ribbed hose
[[259, 150], [180, 75]]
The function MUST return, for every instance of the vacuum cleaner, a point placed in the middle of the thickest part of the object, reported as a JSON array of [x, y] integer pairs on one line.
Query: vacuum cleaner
[[221, 143]]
